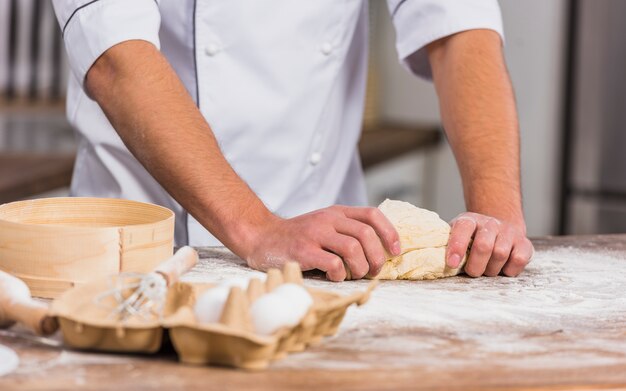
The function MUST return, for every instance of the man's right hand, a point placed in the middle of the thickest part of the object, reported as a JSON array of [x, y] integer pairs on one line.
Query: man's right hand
[[326, 239]]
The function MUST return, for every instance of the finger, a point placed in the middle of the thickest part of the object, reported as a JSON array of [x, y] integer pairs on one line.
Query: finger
[[460, 237], [316, 258], [482, 248], [369, 240], [501, 252], [381, 224], [350, 250], [520, 257]]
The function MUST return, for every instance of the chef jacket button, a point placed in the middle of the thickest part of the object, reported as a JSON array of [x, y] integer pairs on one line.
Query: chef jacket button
[[326, 48], [316, 157], [212, 49]]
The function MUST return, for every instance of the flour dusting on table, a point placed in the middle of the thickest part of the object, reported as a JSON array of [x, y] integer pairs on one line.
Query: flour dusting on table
[[8, 360], [567, 308]]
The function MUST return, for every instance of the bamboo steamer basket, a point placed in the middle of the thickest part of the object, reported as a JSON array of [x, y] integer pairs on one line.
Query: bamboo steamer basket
[[53, 244]]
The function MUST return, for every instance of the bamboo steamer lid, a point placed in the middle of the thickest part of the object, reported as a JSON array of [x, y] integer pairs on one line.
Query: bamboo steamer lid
[[55, 243]]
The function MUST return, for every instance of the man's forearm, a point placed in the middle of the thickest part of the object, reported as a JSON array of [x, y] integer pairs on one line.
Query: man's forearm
[[480, 119], [159, 123]]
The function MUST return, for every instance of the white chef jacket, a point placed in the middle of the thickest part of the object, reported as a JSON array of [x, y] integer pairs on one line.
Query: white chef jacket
[[281, 82]]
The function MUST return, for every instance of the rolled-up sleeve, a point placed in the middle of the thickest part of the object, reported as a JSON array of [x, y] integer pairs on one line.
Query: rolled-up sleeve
[[420, 22], [90, 27]]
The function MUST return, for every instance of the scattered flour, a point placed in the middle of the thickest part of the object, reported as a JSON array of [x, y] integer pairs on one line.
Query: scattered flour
[[567, 309], [9, 360]]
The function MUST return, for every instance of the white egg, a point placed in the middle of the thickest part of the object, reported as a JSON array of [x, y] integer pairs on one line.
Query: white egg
[[299, 297], [284, 307], [209, 305], [271, 312]]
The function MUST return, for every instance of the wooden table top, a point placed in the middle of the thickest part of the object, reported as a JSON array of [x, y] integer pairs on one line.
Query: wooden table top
[[27, 174], [559, 326], [387, 141]]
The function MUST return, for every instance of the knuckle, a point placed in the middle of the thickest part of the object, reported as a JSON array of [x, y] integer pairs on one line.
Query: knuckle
[[353, 247], [390, 232], [492, 224], [472, 272], [475, 267], [377, 264], [464, 222], [366, 232], [510, 272], [372, 213], [359, 269], [335, 264], [335, 269], [519, 260], [334, 276], [377, 258], [481, 247], [500, 253], [491, 272], [456, 248], [528, 246]]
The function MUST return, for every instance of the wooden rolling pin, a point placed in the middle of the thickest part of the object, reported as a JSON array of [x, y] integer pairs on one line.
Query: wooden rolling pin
[[17, 305], [180, 263]]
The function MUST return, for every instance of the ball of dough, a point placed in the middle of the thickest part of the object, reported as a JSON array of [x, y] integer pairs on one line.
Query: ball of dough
[[284, 307], [423, 238], [210, 304]]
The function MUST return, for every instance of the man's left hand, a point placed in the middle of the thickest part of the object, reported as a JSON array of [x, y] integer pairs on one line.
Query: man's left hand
[[497, 247]]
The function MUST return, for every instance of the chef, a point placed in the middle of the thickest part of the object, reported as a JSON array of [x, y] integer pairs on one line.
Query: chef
[[243, 117]]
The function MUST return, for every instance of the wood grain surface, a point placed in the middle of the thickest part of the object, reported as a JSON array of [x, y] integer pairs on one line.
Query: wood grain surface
[[28, 174], [567, 366], [387, 141]]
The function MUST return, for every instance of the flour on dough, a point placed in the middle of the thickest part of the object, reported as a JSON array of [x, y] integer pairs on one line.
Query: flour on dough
[[424, 264], [418, 228], [423, 238]]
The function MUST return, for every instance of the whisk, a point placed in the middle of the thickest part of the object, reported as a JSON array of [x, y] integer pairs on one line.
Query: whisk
[[143, 295]]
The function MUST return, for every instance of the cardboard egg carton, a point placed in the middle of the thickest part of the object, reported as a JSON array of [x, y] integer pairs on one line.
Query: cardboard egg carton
[[230, 342]]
